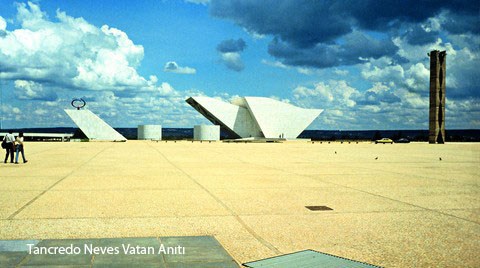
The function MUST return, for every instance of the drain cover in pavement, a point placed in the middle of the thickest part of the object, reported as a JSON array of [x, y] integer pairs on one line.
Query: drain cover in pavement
[[306, 259], [318, 208]]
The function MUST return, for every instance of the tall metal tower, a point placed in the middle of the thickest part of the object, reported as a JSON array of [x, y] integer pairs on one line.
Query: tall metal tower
[[438, 66]]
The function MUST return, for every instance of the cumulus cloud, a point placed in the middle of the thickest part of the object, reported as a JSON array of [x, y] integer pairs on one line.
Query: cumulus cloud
[[276, 64], [334, 93], [340, 72], [232, 61], [379, 93], [52, 61], [462, 74], [230, 53], [3, 25], [398, 97], [70, 53], [386, 44], [323, 34], [418, 35], [29, 90], [170, 109], [173, 67], [231, 45], [356, 48], [302, 70], [302, 23], [461, 23], [346, 107], [382, 70]]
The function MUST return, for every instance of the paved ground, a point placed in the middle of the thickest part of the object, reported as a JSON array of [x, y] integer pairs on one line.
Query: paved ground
[[406, 208]]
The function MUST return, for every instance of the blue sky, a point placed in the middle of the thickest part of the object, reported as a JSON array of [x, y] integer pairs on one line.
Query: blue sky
[[365, 63]]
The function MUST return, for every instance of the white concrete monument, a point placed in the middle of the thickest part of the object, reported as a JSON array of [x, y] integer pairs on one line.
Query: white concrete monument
[[149, 132], [94, 127], [256, 117], [206, 132]]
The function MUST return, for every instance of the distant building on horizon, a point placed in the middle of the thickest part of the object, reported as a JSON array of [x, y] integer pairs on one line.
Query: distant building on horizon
[[255, 117]]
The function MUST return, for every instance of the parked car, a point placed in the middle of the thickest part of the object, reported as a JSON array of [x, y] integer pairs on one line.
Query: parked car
[[402, 140], [384, 140]]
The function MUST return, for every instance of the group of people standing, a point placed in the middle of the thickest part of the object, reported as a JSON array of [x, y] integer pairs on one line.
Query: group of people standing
[[13, 145]]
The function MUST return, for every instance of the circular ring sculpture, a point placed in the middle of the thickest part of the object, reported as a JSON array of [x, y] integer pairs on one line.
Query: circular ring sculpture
[[78, 103]]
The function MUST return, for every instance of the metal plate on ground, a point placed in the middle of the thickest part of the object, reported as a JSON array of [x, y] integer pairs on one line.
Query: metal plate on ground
[[306, 259], [318, 208]]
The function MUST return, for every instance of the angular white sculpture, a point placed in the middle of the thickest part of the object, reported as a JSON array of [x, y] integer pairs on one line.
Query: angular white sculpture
[[94, 127], [256, 116]]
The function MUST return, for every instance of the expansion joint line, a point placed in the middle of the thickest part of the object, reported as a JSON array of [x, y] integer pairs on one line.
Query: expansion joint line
[[424, 177], [237, 217], [355, 189], [53, 185], [392, 199]]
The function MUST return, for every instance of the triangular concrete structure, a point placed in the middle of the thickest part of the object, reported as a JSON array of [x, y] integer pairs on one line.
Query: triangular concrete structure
[[279, 119], [256, 116], [233, 118], [94, 127]]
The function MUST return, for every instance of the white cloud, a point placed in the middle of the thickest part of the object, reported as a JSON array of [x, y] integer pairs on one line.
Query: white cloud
[[3, 24], [340, 72], [335, 93], [173, 67], [306, 71], [166, 89], [70, 53], [382, 106], [254, 34], [29, 90], [417, 77], [41, 112], [232, 60], [55, 60], [382, 70], [276, 64], [462, 75], [198, 2]]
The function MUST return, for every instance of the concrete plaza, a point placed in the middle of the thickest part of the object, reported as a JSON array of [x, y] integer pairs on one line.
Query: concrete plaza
[[393, 205]]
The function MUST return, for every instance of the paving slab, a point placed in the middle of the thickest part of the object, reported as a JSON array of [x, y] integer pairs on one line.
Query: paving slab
[[187, 251], [256, 181], [11, 201], [374, 237], [434, 197], [27, 183], [292, 201], [404, 209], [167, 179], [123, 203]]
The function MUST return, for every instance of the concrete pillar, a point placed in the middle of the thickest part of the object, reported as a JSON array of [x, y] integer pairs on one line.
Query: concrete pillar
[[438, 66], [149, 132], [206, 132]]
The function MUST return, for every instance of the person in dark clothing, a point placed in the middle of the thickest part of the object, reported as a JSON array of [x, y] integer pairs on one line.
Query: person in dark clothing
[[10, 146]]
